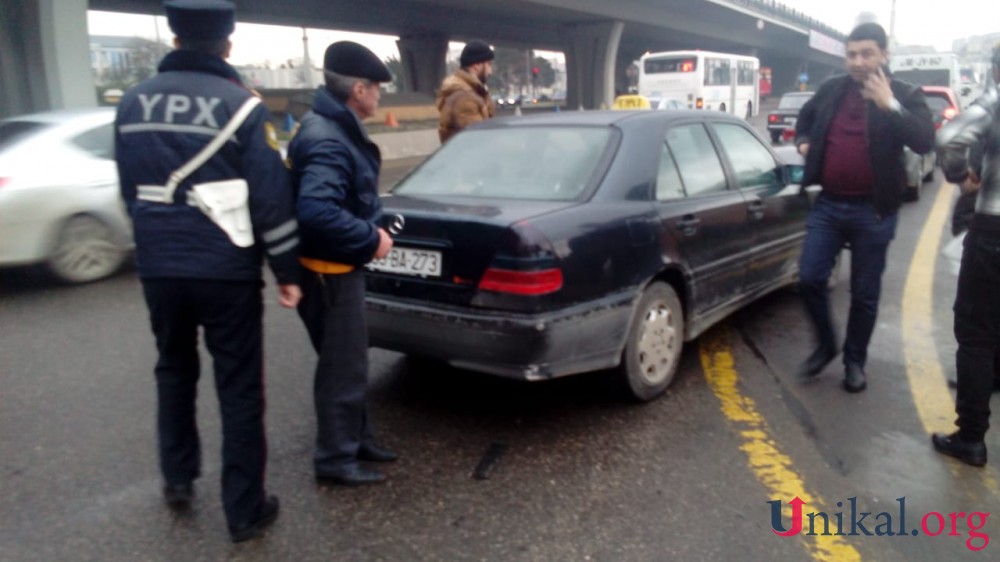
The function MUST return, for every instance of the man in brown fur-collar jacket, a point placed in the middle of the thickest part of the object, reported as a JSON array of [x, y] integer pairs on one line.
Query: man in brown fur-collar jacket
[[463, 98]]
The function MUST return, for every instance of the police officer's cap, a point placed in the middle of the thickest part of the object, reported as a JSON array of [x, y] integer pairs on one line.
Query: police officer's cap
[[201, 19], [348, 58], [475, 51]]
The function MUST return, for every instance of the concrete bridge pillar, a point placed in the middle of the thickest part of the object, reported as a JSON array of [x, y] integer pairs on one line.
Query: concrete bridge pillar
[[423, 60], [591, 52], [44, 56]]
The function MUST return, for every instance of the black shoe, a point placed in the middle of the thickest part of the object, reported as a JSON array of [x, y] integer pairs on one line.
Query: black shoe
[[854, 378], [178, 496], [818, 361], [953, 446], [354, 476], [253, 529], [372, 452]]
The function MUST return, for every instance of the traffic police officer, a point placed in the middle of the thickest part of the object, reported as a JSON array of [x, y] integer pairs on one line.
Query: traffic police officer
[[193, 273], [335, 166]]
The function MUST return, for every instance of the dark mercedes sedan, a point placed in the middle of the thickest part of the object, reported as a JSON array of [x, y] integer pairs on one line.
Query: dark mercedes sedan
[[549, 245]]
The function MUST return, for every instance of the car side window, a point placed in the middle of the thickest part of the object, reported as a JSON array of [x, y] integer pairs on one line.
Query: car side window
[[668, 180], [696, 160], [99, 142], [752, 162]]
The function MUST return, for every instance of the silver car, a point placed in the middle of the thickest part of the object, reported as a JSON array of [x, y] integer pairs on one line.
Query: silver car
[[59, 199]]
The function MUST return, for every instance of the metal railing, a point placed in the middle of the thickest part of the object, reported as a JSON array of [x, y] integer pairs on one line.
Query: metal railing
[[779, 11]]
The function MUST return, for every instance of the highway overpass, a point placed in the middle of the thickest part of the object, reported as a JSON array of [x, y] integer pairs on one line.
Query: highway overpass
[[44, 54]]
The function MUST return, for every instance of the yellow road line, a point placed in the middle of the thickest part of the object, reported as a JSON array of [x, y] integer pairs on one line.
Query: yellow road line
[[769, 465], [923, 365]]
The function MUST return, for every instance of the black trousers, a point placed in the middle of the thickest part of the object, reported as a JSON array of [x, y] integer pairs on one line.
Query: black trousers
[[231, 315], [333, 311], [977, 330]]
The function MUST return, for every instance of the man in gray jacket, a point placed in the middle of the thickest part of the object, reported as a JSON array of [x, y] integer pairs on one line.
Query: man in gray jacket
[[977, 304]]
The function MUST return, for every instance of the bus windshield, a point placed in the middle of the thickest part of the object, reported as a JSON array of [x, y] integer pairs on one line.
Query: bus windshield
[[663, 66]]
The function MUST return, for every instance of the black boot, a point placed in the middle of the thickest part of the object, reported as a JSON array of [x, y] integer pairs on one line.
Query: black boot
[[973, 453]]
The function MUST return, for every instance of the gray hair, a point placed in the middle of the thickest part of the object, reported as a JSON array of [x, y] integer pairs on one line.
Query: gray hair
[[340, 85]]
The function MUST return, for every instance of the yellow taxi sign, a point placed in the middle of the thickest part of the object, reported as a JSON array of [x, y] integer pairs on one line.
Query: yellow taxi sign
[[631, 101]]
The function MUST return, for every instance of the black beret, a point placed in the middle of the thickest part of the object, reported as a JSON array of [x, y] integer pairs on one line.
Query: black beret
[[475, 51], [201, 19], [348, 58]]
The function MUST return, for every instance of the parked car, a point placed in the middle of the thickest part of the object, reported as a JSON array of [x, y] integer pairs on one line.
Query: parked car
[[782, 120], [560, 243], [944, 106], [59, 199]]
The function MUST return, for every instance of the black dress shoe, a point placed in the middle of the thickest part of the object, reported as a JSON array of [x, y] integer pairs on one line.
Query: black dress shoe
[[372, 452], [255, 528], [178, 496], [854, 378], [354, 476], [953, 446], [818, 361]]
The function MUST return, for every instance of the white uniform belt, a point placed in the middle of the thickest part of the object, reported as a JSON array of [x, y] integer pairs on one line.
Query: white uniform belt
[[156, 193]]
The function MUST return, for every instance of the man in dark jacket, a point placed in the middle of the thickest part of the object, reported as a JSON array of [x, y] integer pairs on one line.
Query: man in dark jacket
[[193, 273], [852, 134], [336, 166]]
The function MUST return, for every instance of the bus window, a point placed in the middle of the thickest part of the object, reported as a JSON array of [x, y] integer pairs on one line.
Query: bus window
[[717, 72], [663, 66]]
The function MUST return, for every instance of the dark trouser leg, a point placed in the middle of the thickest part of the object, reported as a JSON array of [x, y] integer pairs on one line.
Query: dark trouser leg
[[232, 314], [341, 382], [312, 306], [822, 244], [977, 330], [869, 239], [174, 321]]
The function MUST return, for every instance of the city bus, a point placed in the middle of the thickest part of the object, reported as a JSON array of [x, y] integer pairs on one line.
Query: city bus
[[702, 80]]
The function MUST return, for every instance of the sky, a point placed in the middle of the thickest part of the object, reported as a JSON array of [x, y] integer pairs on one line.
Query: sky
[[918, 22]]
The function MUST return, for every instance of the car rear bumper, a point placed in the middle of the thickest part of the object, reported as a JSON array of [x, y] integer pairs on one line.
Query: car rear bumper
[[540, 346]]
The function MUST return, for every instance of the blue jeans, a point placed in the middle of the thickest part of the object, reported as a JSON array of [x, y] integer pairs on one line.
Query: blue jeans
[[832, 224]]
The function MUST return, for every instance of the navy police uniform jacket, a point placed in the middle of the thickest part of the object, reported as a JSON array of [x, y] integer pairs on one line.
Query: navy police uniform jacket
[[335, 166], [161, 124]]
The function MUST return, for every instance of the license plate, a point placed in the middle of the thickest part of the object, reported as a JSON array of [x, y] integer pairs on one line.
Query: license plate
[[409, 261], [790, 120]]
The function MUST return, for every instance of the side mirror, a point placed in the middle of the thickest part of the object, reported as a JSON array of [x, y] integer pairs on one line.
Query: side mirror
[[794, 173]]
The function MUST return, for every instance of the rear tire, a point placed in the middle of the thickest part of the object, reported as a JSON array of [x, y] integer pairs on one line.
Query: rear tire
[[654, 345], [86, 250], [775, 137], [722, 107], [749, 109]]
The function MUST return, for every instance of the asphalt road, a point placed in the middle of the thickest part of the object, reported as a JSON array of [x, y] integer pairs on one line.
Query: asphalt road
[[581, 474]]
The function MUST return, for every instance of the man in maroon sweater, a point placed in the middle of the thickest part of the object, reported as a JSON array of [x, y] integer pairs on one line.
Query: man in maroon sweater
[[852, 134]]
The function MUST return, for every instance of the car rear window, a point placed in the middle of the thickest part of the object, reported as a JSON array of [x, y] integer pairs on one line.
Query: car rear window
[[13, 131], [792, 102], [541, 163], [937, 103]]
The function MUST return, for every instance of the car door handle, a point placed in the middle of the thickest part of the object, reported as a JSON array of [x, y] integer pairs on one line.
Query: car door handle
[[756, 209], [688, 225]]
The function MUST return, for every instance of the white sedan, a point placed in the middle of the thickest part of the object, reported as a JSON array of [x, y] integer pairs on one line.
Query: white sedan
[[59, 199]]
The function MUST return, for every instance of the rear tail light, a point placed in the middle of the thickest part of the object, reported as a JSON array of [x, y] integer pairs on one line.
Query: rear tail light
[[949, 113], [772, 118], [525, 264], [531, 283], [699, 103], [3, 182]]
